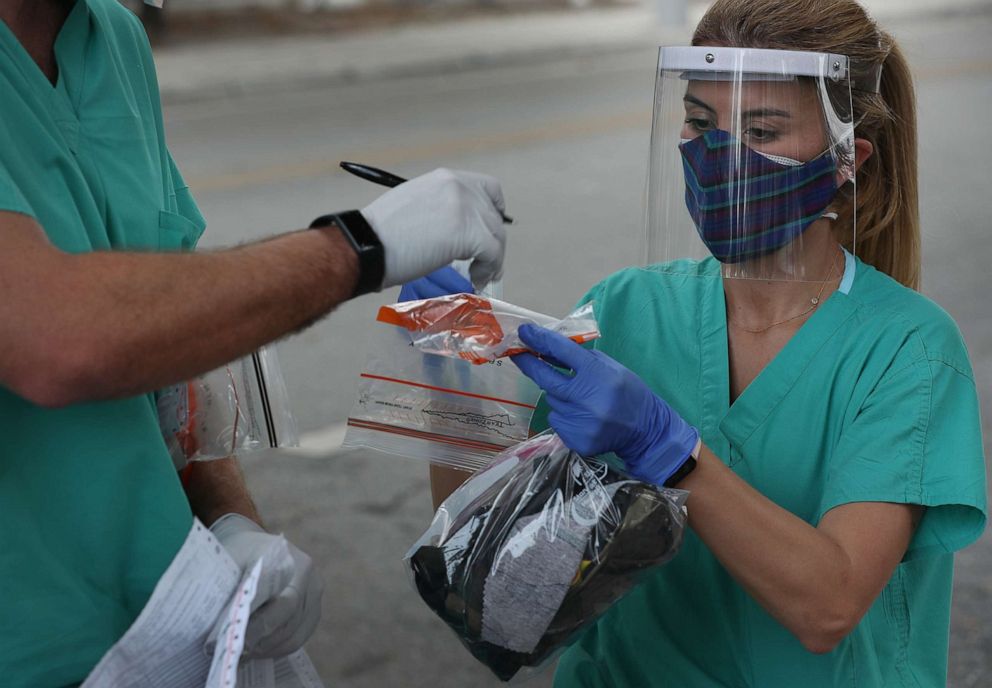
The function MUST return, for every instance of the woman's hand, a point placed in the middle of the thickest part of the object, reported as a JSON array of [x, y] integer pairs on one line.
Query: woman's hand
[[604, 407], [439, 283]]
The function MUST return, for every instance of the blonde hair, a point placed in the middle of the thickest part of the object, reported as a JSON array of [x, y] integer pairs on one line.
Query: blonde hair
[[887, 208]]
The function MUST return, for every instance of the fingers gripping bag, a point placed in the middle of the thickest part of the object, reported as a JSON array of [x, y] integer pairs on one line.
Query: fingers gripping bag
[[237, 408], [436, 385], [534, 548]]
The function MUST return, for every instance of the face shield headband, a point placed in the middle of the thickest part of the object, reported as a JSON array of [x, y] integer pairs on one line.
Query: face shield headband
[[746, 204]]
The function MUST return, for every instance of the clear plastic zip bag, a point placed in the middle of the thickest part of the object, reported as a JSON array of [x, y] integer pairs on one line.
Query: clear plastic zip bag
[[447, 409], [534, 548], [442, 410], [238, 408], [477, 328]]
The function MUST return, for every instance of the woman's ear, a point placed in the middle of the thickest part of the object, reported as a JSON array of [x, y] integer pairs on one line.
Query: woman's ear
[[863, 149]]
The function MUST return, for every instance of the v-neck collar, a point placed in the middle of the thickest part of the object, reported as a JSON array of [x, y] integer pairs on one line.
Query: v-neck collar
[[69, 49], [738, 421]]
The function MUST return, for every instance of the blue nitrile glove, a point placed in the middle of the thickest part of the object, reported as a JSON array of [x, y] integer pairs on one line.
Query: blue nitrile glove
[[604, 407], [439, 283]]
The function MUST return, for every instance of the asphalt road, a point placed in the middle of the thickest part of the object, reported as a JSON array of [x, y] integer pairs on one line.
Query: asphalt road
[[569, 141]]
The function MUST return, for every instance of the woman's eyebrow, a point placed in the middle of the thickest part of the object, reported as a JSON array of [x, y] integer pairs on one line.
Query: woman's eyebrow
[[767, 112], [696, 101], [757, 112]]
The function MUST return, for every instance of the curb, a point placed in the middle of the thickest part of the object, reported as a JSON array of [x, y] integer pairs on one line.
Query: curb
[[321, 443]]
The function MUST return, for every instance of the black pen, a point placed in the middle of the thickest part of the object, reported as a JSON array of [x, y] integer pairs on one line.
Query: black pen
[[383, 178]]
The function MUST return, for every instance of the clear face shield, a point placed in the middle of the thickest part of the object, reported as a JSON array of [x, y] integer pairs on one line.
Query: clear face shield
[[752, 161]]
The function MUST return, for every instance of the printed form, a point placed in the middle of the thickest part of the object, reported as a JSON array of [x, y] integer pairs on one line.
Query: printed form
[[202, 590]]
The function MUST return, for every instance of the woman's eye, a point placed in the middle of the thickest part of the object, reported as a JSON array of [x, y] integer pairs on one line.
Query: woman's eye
[[699, 124], [759, 135]]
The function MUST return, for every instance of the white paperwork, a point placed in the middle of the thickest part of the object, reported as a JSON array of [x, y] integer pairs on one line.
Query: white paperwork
[[164, 647], [231, 637]]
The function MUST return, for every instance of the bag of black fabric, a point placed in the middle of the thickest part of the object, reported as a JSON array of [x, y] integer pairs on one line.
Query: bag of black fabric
[[535, 547]]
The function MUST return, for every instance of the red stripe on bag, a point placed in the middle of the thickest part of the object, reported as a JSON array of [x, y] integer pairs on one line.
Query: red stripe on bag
[[444, 389], [429, 436]]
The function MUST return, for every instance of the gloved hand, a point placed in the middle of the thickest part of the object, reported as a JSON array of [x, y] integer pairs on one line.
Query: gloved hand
[[437, 218], [441, 282], [606, 408], [286, 607]]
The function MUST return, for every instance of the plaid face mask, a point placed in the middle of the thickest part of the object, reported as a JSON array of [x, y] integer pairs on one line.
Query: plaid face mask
[[746, 204]]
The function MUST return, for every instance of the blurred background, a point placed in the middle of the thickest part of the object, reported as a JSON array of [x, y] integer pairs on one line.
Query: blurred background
[[264, 97]]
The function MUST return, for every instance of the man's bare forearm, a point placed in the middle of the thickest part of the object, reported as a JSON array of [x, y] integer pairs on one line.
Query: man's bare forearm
[[113, 324], [218, 487]]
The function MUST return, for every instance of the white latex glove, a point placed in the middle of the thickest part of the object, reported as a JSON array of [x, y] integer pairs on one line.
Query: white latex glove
[[442, 216], [286, 607]]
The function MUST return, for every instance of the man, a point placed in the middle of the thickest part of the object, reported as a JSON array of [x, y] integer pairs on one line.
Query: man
[[101, 305]]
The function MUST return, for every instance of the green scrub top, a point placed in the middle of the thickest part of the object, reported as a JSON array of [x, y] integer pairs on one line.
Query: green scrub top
[[93, 511], [873, 399]]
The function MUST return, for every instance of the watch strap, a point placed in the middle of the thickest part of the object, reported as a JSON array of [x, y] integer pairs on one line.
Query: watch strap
[[686, 468], [366, 244]]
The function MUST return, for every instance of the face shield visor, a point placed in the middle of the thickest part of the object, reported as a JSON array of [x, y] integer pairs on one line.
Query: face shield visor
[[752, 161]]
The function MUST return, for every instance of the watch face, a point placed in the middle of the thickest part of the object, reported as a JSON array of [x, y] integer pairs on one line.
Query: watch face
[[368, 248], [362, 233]]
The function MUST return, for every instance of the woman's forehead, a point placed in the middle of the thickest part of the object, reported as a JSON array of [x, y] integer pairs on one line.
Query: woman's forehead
[[793, 97]]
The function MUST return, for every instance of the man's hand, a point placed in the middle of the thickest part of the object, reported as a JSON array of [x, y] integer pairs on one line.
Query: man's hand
[[443, 216], [286, 607]]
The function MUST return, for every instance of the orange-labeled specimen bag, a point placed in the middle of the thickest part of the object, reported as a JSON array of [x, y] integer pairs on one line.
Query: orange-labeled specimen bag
[[479, 329]]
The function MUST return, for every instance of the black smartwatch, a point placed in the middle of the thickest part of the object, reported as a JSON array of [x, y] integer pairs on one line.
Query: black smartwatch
[[365, 242], [685, 469]]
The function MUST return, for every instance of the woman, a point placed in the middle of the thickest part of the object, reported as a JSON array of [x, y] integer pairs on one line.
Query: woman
[[822, 413]]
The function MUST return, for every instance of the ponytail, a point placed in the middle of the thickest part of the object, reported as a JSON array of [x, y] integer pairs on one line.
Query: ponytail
[[888, 218]]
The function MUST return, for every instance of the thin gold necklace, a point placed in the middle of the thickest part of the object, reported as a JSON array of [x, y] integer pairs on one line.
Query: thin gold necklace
[[813, 303]]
